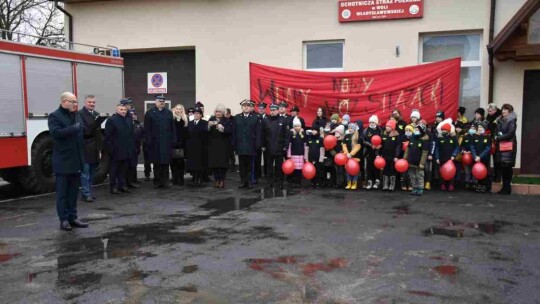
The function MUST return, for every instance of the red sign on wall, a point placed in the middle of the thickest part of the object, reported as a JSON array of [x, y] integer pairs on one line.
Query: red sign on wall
[[366, 10]]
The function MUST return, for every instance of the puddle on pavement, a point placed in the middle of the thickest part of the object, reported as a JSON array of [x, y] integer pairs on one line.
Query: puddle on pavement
[[224, 205], [458, 228]]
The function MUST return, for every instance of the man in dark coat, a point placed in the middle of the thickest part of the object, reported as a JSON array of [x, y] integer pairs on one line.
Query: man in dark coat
[[121, 148], [246, 141], [195, 146], [131, 172], [67, 159], [261, 155], [283, 113], [91, 124], [275, 132], [160, 138]]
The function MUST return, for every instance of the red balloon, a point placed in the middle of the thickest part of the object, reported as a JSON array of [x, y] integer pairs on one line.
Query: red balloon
[[287, 167], [329, 142], [376, 140], [448, 170], [402, 166], [466, 158], [309, 171], [352, 167], [479, 171], [340, 159], [380, 163]]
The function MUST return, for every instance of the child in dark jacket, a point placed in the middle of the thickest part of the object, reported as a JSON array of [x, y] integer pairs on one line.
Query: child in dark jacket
[[297, 150], [390, 151], [480, 148], [339, 171], [351, 147], [446, 148], [316, 157], [465, 148], [405, 179], [416, 155], [370, 151]]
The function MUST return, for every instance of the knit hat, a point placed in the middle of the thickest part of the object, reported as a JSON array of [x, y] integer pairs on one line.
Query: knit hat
[[391, 123], [415, 113], [353, 126], [422, 122], [334, 116], [440, 114], [446, 127], [409, 128], [480, 111], [422, 129], [483, 123], [374, 119], [296, 122], [346, 117], [459, 124], [340, 129]]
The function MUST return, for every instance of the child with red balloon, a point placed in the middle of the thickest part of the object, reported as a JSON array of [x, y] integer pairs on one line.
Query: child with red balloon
[[316, 155], [338, 179], [459, 126], [297, 150], [372, 145], [405, 179], [466, 156], [391, 150], [416, 155], [351, 149], [480, 149], [446, 149]]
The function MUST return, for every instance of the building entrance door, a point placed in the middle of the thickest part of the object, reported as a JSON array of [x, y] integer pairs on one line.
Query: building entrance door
[[530, 138]]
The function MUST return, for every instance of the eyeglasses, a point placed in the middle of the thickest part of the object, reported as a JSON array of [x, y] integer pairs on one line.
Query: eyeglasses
[[73, 101]]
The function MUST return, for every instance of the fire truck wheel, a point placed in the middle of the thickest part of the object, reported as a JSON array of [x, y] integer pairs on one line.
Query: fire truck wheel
[[102, 170], [11, 175], [39, 178]]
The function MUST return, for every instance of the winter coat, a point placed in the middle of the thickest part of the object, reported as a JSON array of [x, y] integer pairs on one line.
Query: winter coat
[[417, 151], [159, 135], [492, 126], [92, 135], [275, 132], [506, 131], [391, 145], [400, 126], [247, 135], [138, 135], [119, 138], [480, 146], [446, 148], [368, 134], [68, 142], [315, 149], [319, 123], [195, 145], [297, 143], [350, 145], [466, 143], [181, 133], [218, 144]]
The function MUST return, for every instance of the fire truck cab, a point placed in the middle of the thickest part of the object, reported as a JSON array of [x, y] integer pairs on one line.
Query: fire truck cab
[[32, 78]]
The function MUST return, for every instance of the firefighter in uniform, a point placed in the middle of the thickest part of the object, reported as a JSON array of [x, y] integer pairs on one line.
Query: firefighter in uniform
[[131, 172], [160, 138], [262, 155], [275, 132], [246, 141]]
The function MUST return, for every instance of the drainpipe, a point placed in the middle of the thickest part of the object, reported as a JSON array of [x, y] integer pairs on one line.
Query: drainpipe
[[490, 51], [70, 25]]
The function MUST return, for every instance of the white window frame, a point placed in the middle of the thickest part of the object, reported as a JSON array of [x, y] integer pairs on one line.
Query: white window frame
[[304, 51], [147, 104]]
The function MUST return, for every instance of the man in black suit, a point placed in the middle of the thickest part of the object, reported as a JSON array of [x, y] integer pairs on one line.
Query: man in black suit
[[67, 159], [275, 142], [261, 154], [159, 133], [91, 124], [121, 148], [131, 172], [246, 141]]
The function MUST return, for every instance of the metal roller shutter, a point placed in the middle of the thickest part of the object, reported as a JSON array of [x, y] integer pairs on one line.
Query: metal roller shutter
[[105, 82], [46, 80], [11, 96]]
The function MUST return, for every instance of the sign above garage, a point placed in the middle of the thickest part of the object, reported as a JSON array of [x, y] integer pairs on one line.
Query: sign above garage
[[375, 10], [157, 83]]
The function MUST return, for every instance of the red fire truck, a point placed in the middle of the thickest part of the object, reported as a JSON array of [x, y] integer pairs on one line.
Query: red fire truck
[[32, 78]]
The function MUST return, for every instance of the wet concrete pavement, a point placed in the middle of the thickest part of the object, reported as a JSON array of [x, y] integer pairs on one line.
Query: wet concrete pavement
[[206, 245]]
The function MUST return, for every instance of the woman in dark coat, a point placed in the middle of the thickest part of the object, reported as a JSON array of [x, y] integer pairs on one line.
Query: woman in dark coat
[[195, 146], [178, 163], [219, 142], [320, 121], [506, 145]]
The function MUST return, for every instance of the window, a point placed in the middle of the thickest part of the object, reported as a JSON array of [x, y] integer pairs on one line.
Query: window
[[467, 46], [323, 56], [533, 36]]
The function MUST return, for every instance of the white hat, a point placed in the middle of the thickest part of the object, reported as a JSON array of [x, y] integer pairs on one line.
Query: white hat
[[296, 122], [415, 113], [374, 119], [340, 129]]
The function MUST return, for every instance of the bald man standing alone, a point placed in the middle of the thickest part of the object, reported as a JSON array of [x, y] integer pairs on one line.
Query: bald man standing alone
[[67, 159]]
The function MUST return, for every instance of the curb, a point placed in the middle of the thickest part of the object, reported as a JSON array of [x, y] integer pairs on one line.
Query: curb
[[523, 189]]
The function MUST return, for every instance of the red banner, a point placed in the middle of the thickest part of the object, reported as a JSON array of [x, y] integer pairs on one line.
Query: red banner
[[365, 10], [427, 87]]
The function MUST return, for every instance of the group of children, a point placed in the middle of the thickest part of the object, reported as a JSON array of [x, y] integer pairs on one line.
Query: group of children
[[425, 147]]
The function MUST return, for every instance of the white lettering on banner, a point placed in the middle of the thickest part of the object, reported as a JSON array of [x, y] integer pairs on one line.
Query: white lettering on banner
[[385, 12]]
